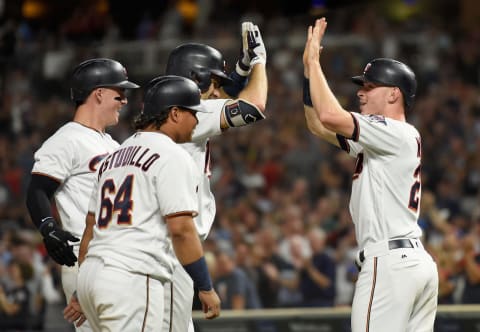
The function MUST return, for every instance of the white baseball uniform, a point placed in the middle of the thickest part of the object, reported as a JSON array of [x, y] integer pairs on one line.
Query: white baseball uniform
[[71, 156], [179, 294], [120, 284], [398, 282]]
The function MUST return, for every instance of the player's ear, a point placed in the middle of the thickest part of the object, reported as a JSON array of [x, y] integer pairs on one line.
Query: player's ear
[[394, 95], [97, 93], [174, 113]]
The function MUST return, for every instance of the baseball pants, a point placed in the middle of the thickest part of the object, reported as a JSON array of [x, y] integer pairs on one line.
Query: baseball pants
[[178, 302], [396, 291], [116, 300], [69, 284]]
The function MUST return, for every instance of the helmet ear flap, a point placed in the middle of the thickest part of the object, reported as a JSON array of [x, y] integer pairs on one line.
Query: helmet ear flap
[[203, 77]]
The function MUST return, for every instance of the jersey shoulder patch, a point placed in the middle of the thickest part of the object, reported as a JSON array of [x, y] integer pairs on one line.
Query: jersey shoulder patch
[[376, 118]]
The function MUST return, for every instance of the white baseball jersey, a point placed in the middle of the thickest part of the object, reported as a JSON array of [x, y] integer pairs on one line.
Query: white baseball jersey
[[208, 126], [396, 288], [384, 203], [148, 177], [72, 156], [179, 294]]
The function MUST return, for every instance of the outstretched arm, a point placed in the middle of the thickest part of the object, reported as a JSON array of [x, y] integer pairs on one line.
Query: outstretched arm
[[311, 117], [327, 108], [253, 63]]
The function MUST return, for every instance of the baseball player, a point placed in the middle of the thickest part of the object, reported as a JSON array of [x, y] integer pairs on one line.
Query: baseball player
[[206, 66], [397, 285], [143, 208], [65, 164]]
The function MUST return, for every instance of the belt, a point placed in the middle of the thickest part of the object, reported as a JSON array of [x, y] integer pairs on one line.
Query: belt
[[392, 244]]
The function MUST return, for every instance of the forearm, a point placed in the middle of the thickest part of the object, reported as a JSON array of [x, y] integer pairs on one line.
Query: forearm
[[187, 246], [256, 89], [317, 128], [39, 194], [185, 240], [86, 237], [326, 106]]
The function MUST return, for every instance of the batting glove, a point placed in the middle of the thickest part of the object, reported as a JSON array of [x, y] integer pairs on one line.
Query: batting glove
[[252, 51], [256, 48], [56, 242], [243, 67]]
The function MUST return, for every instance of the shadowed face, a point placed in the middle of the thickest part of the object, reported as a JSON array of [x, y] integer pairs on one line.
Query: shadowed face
[[214, 90], [374, 98], [111, 101], [188, 120]]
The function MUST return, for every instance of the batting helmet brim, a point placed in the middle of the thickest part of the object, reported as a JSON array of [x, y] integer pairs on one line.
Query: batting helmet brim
[[359, 80], [125, 85], [224, 78], [197, 108]]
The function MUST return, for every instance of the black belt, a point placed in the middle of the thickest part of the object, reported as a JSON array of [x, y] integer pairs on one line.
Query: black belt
[[392, 244]]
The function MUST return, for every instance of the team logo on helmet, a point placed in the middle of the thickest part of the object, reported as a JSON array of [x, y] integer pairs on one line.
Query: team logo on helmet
[[367, 67]]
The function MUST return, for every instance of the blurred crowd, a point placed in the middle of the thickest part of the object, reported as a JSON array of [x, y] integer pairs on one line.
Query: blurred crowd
[[283, 236]]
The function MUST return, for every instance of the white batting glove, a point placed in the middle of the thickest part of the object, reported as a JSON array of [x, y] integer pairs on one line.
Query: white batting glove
[[243, 67], [253, 49], [256, 47]]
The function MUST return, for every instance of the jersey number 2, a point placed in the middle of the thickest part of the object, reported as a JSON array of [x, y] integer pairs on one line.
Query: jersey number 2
[[122, 202], [414, 199]]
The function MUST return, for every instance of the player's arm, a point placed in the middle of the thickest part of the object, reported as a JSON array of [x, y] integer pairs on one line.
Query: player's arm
[[189, 252], [39, 194], [314, 124], [317, 128], [86, 237], [252, 99], [327, 108], [252, 53]]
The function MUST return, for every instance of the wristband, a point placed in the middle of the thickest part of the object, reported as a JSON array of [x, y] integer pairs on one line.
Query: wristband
[[237, 85], [307, 100], [241, 69], [198, 271], [45, 221]]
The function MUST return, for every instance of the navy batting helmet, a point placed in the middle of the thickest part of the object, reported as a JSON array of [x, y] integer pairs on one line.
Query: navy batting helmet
[[165, 92], [96, 73], [390, 72], [197, 62]]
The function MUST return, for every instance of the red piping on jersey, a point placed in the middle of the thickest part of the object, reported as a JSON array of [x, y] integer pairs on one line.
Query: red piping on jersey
[[146, 306], [183, 213], [367, 328], [356, 129]]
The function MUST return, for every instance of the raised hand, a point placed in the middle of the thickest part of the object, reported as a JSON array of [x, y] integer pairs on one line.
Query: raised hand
[[305, 52], [252, 51], [256, 47], [314, 44]]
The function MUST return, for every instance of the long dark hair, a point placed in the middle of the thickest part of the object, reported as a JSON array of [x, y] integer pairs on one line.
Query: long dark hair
[[143, 120]]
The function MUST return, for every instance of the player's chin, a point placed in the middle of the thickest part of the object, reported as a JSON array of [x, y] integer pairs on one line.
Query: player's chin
[[114, 121], [362, 108]]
